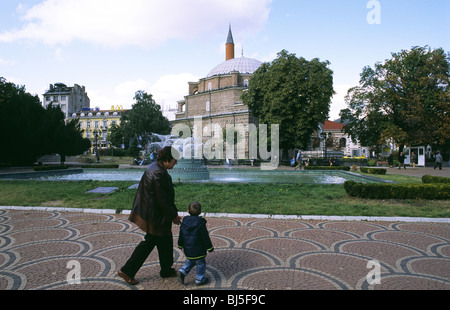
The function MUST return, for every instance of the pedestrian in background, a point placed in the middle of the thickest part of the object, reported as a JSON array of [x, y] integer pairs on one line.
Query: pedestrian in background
[[439, 161]]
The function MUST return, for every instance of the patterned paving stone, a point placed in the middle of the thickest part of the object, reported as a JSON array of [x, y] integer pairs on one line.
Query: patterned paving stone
[[45, 250]]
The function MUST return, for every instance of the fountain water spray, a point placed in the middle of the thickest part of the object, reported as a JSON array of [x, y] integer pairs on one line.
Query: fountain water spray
[[189, 167]]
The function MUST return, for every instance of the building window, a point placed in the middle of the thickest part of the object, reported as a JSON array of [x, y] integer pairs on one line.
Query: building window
[[63, 98], [96, 124], [209, 86], [208, 106], [88, 124], [246, 83]]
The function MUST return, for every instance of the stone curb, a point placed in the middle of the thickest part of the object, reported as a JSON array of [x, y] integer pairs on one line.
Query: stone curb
[[256, 216]]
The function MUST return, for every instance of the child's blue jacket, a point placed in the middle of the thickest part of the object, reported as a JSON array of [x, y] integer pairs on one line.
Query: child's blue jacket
[[194, 237]]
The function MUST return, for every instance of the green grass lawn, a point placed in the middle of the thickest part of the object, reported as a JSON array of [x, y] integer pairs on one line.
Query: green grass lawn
[[288, 199]]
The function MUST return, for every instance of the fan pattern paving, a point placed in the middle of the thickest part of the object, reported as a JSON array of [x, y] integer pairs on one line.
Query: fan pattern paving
[[36, 248]]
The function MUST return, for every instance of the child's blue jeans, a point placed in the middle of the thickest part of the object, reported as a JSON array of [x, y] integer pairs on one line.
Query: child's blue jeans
[[200, 270]]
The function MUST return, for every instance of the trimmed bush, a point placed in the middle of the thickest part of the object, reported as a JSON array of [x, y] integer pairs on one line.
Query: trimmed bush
[[372, 162], [50, 167], [431, 179], [372, 170], [346, 168], [100, 166], [397, 191]]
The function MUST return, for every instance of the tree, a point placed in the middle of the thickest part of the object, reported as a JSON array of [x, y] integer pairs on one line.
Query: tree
[[406, 99], [71, 141], [294, 93], [144, 118], [28, 131], [21, 117]]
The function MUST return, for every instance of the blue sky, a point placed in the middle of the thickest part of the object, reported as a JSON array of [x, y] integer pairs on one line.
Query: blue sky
[[116, 47]]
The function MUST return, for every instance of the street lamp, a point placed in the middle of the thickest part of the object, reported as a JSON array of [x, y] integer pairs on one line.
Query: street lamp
[[96, 145], [325, 137]]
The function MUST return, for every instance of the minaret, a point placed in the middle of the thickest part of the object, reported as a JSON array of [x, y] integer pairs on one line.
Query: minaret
[[229, 46]]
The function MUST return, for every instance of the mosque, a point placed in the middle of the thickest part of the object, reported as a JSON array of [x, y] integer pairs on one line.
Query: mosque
[[216, 98]]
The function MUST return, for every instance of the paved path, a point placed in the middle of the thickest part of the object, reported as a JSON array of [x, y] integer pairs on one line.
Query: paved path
[[38, 250]]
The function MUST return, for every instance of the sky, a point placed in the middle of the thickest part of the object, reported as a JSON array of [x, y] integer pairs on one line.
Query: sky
[[117, 47]]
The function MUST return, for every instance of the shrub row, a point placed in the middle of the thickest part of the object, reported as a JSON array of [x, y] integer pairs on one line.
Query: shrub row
[[111, 166], [397, 191], [346, 168], [372, 170], [431, 179], [50, 167]]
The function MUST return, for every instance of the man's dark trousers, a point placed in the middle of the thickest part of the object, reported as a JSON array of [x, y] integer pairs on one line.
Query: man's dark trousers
[[164, 244]]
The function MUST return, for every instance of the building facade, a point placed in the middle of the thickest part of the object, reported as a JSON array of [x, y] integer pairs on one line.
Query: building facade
[[216, 99], [96, 125], [330, 138], [70, 99]]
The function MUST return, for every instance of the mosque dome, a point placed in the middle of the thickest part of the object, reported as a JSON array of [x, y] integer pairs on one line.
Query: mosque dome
[[242, 65]]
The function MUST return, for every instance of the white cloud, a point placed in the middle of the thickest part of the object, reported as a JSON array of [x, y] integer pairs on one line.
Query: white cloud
[[166, 92], [145, 23], [4, 62]]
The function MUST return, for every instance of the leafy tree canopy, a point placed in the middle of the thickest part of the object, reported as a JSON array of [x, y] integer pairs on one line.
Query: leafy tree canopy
[[294, 93], [28, 131], [144, 118], [406, 99]]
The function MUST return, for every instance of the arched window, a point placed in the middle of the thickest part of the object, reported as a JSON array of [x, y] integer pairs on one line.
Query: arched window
[[209, 86]]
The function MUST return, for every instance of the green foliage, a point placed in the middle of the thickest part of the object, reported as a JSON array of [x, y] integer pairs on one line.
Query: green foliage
[[406, 98], [138, 124], [346, 168], [97, 166], [371, 163], [29, 131], [294, 93], [372, 170], [397, 191], [50, 167], [426, 179]]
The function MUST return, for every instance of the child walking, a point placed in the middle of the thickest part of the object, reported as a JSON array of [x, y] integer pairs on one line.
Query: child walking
[[194, 240]]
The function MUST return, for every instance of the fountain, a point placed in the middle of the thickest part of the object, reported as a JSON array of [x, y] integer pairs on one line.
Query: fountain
[[189, 167]]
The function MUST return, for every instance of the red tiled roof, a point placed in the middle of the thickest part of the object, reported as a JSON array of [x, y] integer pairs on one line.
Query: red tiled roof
[[329, 125]]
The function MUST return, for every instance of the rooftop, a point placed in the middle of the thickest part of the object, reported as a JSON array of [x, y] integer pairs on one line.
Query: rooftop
[[242, 65]]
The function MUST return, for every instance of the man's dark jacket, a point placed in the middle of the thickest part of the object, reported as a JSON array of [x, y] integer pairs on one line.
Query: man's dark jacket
[[194, 237], [154, 204]]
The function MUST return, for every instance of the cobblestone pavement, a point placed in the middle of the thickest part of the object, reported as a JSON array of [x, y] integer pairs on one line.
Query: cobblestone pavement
[[41, 250]]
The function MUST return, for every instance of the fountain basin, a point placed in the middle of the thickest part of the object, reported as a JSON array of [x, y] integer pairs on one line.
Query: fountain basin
[[189, 169], [214, 175]]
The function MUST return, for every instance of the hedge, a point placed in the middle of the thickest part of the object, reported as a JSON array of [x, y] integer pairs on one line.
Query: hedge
[[50, 167], [327, 168], [397, 191], [431, 179], [372, 170], [112, 166]]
